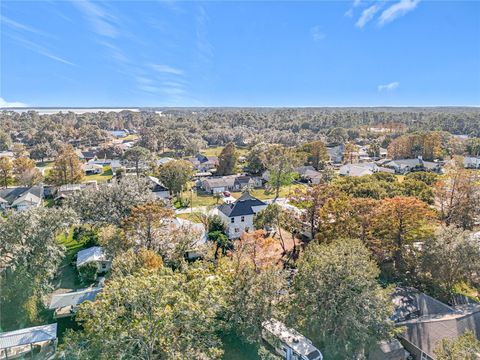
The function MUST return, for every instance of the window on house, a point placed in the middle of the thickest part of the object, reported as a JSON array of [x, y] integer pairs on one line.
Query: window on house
[[237, 230], [242, 219], [232, 220], [104, 266]]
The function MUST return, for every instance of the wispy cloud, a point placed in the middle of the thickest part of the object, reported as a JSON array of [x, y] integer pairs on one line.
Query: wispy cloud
[[166, 69], [101, 20], [388, 87], [349, 12], [22, 27], [39, 49], [367, 15], [317, 33], [397, 10], [204, 47], [10, 104]]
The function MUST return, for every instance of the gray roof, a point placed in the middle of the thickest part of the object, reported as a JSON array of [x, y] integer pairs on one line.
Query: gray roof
[[301, 170], [94, 253], [73, 298], [28, 336], [14, 195], [243, 206], [224, 181]]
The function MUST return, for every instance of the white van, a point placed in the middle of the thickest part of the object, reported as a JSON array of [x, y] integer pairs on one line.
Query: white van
[[289, 343]]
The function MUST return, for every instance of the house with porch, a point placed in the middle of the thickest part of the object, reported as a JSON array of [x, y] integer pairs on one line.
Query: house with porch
[[38, 342], [238, 216], [66, 304]]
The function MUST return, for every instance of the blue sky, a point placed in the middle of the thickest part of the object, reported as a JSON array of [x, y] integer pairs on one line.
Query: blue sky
[[178, 53]]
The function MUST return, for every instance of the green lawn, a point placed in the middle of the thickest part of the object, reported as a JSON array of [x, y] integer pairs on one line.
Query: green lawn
[[68, 278], [193, 217], [106, 176], [285, 191], [130, 137], [215, 151], [200, 199]]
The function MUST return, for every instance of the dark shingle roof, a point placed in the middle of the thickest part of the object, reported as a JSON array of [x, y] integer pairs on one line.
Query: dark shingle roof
[[243, 206], [10, 195]]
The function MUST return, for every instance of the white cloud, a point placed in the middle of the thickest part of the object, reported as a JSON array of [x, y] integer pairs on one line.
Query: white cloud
[[367, 15], [397, 10], [101, 20], [18, 26], [204, 47], [167, 69], [317, 33], [388, 87], [8, 104], [39, 49]]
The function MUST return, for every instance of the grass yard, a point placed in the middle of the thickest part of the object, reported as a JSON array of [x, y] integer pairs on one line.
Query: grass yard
[[68, 278], [106, 176], [130, 137], [193, 217], [285, 191], [215, 151]]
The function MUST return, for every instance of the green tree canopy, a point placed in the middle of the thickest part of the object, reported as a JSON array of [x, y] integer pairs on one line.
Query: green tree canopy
[[337, 300]]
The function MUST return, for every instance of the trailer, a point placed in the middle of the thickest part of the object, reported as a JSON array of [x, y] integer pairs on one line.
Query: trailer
[[289, 343]]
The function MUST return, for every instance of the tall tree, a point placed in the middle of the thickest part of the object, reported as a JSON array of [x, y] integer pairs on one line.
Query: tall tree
[[317, 154], [31, 254], [450, 258], [458, 196], [41, 152], [6, 168], [67, 168], [312, 201], [111, 203], [25, 172], [400, 222], [175, 175], [5, 141], [227, 160], [138, 156], [281, 163], [256, 158], [151, 315], [148, 224], [251, 297], [331, 289]]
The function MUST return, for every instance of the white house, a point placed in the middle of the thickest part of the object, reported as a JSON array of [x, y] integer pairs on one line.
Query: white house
[[94, 254], [239, 215], [21, 198]]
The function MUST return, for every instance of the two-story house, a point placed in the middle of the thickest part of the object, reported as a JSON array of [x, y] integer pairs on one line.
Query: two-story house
[[239, 215]]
